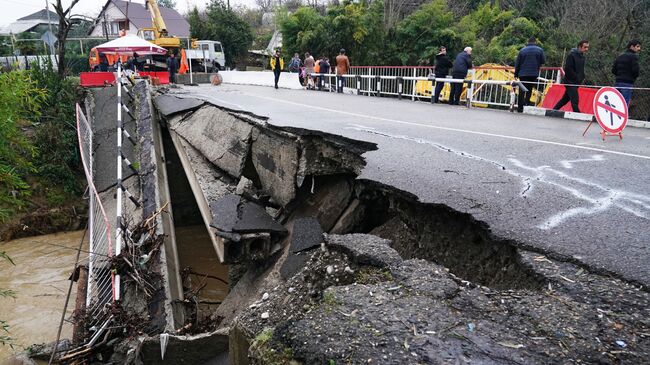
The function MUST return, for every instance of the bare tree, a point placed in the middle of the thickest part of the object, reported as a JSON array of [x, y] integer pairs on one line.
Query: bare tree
[[264, 5], [65, 23]]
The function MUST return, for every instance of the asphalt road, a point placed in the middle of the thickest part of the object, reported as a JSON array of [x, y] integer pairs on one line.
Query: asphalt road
[[532, 179]]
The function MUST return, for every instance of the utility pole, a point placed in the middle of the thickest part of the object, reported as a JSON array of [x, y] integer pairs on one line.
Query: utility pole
[[49, 23]]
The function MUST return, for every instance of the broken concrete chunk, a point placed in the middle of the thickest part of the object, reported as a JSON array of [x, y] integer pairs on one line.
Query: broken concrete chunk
[[245, 186], [233, 215], [364, 249], [254, 218], [224, 212], [350, 218], [326, 199], [168, 105], [306, 234], [275, 159], [223, 139]]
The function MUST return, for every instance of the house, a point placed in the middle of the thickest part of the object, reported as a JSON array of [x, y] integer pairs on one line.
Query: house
[[37, 22], [132, 16]]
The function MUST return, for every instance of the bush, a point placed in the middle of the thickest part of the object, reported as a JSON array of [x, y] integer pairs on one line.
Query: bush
[[58, 163], [20, 104]]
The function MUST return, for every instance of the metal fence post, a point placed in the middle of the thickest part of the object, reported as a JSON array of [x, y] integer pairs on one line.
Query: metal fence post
[[358, 79], [378, 79], [400, 85], [415, 74]]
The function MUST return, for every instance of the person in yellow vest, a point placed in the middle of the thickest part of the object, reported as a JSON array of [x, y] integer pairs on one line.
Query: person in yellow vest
[[277, 65]]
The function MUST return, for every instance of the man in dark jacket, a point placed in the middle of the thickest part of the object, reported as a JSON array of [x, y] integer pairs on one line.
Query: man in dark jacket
[[172, 67], [529, 60], [462, 65], [626, 69], [443, 64], [574, 75]]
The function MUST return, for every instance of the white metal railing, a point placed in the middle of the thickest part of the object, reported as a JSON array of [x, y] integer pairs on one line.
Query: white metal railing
[[395, 85], [101, 289], [415, 82]]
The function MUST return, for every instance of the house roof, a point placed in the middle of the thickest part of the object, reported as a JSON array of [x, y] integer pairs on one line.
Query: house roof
[[41, 15], [141, 18], [30, 22]]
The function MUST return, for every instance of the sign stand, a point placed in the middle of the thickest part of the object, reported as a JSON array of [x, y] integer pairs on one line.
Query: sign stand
[[610, 111]]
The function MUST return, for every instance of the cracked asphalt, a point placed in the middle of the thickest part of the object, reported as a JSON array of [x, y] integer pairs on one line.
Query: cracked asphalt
[[532, 179]]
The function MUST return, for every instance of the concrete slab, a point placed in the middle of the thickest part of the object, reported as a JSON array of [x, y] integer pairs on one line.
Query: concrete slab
[[224, 212], [169, 105], [254, 218], [232, 214], [275, 157], [307, 233], [223, 139]]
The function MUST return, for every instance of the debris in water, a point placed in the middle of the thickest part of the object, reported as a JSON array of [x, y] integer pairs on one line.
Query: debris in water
[[265, 315], [470, 327], [621, 344]]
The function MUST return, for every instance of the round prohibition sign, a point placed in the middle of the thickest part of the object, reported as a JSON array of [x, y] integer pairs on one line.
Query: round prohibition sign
[[610, 110]]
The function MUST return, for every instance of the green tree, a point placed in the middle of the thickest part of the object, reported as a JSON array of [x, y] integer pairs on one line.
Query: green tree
[[220, 23], [357, 27], [420, 34]]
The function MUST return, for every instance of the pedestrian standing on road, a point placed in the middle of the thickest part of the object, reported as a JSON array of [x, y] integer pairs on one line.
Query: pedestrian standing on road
[[462, 65], [574, 75], [441, 70], [277, 65], [324, 68], [529, 61], [626, 69], [342, 63], [172, 67], [309, 69], [295, 63]]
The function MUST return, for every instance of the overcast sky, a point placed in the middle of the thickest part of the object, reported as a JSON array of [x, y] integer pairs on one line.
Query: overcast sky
[[14, 9]]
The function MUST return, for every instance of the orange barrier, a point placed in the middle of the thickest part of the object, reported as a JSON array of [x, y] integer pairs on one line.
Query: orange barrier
[[585, 103], [96, 79]]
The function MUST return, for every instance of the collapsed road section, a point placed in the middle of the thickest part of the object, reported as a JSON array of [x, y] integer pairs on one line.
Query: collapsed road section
[[326, 268]]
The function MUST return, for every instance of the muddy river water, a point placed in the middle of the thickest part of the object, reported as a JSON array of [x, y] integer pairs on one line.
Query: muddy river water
[[40, 279]]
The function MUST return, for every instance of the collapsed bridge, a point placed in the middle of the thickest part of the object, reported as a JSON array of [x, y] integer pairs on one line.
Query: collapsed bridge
[[310, 259]]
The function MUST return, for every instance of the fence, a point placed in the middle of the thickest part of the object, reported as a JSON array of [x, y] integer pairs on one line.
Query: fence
[[490, 86], [101, 278], [25, 62]]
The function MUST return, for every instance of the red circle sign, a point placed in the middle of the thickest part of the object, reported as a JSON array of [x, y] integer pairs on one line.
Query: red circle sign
[[610, 109]]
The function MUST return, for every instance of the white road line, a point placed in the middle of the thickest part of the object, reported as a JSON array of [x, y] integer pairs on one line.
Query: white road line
[[451, 129]]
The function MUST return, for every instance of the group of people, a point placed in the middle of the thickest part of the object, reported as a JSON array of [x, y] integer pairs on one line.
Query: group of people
[[305, 68], [527, 67], [531, 58]]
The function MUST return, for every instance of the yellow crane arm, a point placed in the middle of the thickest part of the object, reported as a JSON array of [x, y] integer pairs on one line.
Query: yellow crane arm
[[157, 19]]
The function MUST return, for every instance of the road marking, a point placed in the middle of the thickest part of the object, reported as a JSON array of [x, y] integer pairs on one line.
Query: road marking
[[568, 164], [598, 198], [646, 157]]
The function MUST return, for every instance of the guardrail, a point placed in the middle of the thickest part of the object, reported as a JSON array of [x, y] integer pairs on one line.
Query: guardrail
[[414, 87], [101, 289], [399, 86]]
